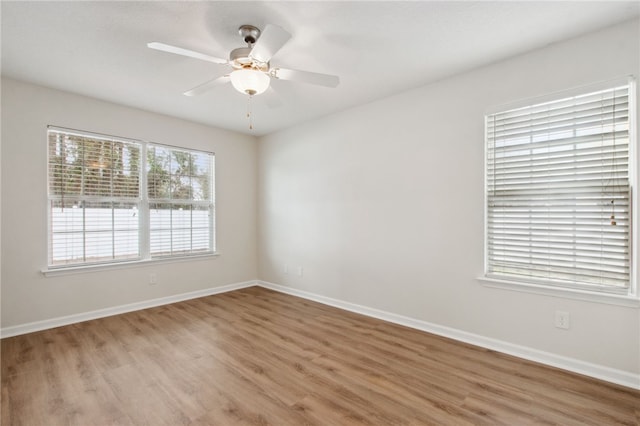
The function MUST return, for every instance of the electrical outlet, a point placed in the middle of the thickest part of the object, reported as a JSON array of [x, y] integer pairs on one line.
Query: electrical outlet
[[286, 268], [153, 279], [299, 271], [563, 320]]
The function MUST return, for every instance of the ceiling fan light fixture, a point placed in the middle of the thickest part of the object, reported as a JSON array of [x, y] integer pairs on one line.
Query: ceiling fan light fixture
[[250, 81]]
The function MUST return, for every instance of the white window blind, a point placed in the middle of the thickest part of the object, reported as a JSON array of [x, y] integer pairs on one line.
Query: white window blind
[[102, 209], [93, 199], [558, 193], [180, 192]]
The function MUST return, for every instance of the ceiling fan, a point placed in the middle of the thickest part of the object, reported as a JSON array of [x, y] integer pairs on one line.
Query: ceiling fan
[[249, 68]]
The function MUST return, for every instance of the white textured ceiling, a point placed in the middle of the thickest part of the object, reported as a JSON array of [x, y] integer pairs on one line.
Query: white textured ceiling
[[377, 49]]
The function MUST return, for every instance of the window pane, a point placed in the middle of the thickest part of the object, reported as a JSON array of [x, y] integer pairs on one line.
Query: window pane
[[160, 228], [201, 228], [67, 233], [94, 191], [81, 165], [90, 232], [201, 178], [126, 180], [159, 172], [177, 229], [181, 229], [125, 230], [65, 165], [181, 212]]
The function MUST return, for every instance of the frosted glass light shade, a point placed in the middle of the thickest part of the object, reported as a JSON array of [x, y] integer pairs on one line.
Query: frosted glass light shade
[[250, 81]]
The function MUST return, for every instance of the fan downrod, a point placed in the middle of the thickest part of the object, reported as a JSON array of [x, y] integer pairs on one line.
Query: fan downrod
[[249, 34]]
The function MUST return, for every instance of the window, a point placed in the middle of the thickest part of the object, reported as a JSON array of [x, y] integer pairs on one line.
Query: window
[[102, 209], [558, 192], [180, 192]]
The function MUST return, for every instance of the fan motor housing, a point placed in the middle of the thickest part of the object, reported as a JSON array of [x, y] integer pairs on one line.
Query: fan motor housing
[[239, 58]]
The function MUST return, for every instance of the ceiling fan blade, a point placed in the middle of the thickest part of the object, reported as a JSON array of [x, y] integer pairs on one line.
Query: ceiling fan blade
[[205, 87], [185, 52], [270, 41], [307, 77]]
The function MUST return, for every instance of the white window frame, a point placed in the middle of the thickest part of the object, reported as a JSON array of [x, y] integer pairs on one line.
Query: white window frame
[[628, 297], [147, 201], [145, 255]]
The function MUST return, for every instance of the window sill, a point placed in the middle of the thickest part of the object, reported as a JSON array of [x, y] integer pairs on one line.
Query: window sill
[[53, 272], [567, 293]]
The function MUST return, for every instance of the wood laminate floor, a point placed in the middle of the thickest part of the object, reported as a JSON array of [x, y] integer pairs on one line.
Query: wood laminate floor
[[255, 356]]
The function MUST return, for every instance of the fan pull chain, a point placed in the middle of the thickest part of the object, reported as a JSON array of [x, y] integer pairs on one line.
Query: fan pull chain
[[249, 113]]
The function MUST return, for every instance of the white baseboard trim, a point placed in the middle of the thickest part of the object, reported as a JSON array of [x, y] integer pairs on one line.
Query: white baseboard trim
[[612, 375], [115, 310], [608, 374]]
